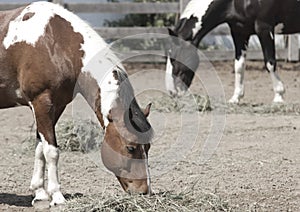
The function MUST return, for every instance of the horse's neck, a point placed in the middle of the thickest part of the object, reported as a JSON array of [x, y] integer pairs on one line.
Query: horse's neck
[[88, 87], [210, 13], [99, 83]]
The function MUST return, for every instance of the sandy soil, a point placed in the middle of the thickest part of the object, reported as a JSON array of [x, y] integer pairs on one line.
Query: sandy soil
[[255, 167]]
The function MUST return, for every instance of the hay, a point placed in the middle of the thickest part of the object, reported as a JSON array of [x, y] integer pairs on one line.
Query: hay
[[188, 103], [84, 136], [163, 201]]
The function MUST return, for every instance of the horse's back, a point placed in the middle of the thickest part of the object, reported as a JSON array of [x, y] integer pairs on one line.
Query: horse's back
[[40, 49], [274, 12]]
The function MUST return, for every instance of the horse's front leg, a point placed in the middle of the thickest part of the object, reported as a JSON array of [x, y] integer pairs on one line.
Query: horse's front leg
[[265, 34], [45, 119], [37, 181], [241, 43]]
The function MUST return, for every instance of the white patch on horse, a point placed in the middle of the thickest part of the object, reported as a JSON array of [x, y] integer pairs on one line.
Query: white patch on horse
[[43, 12], [272, 35], [279, 28], [147, 170], [19, 94], [198, 9], [277, 84], [109, 93], [18, 29], [169, 80], [239, 69]]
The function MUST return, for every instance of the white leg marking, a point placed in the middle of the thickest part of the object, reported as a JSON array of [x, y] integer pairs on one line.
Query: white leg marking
[[51, 155], [37, 181], [239, 68], [277, 84], [147, 170], [169, 78]]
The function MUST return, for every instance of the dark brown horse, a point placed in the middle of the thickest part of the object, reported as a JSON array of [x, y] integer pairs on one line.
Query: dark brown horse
[[244, 17], [47, 56]]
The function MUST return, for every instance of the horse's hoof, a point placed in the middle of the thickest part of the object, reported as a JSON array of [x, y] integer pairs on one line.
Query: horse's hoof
[[57, 199], [234, 100], [40, 195], [278, 99]]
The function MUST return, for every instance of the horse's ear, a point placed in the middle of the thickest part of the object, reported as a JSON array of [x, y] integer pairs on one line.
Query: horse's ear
[[147, 110], [172, 33]]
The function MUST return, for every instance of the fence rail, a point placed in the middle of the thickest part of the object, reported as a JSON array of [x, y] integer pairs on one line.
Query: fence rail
[[290, 53], [124, 8]]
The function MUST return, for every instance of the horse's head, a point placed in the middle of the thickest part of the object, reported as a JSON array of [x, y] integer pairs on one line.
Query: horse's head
[[182, 62], [127, 142]]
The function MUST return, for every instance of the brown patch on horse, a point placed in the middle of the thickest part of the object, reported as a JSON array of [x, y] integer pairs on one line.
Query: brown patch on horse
[[89, 88], [115, 74], [8, 75], [98, 108], [27, 16], [53, 63]]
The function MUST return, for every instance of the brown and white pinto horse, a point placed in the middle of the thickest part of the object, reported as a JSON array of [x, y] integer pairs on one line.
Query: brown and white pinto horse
[[244, 17], [47, 56]]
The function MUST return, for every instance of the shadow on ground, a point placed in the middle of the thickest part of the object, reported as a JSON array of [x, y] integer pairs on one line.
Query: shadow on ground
[[16, 200]]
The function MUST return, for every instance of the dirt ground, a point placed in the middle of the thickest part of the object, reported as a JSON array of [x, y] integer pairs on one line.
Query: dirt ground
[[256, 166]]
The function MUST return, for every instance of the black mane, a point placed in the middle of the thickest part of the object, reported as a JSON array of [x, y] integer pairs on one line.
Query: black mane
[[135, 120]]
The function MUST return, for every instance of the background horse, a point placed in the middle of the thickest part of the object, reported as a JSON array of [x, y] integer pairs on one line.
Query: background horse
[[47, 56], [244, 17]]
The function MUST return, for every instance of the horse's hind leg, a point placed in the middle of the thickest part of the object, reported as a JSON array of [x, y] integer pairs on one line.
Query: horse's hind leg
[[241, 43], [265, 34], [46, 116]]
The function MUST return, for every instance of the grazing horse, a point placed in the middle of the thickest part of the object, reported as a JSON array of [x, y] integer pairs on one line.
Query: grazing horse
[[244, 17], [47, 56]]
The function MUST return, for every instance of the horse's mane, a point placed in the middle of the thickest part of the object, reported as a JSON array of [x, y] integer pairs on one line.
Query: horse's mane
[[135, 120]]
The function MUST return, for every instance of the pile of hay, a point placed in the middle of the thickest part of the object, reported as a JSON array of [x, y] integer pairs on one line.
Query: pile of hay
[[83, 136], [188, 103], [164, 201], [80, 136]]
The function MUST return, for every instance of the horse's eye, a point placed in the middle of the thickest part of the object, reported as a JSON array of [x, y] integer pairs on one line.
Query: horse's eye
[[130, 149]]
